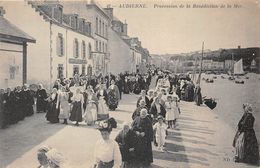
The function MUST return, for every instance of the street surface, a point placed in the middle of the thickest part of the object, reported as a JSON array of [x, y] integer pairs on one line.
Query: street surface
[[201, 139]]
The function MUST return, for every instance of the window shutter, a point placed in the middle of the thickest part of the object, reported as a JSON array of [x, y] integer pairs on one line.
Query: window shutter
[[58, 46], [74, 48], [62, 45]]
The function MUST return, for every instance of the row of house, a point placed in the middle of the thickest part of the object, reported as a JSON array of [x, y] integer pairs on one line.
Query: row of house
[[217, 60], [69, 38]]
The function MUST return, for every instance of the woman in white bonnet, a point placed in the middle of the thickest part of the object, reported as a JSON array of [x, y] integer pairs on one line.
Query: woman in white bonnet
[[55, 159], [245, 141], [41, 156]]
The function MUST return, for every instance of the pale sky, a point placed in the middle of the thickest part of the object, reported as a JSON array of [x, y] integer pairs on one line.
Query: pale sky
[[171, 30], [176, 30]]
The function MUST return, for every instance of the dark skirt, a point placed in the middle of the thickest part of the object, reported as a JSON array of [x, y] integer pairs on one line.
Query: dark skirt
[[76, 112], [144, 151], [137, 88], [41, 105], [28, 110], [126, 88], [52, 114], [112, 100], [19, 112], [247, 147]]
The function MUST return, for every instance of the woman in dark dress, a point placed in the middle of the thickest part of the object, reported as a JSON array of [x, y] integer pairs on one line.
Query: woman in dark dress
[[19, 113], [52, 114], [28, 101], [126, 85], [142, 126], [3, 119], [113, 96], [245, 141], [137, 85], [8, 99], [41, 102]]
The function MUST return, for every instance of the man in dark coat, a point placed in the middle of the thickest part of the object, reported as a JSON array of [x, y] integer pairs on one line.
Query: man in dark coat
[[142, 126]]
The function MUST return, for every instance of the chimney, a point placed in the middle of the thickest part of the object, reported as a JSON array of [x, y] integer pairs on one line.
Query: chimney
[[2, 11], [124, 32], [109, 12]]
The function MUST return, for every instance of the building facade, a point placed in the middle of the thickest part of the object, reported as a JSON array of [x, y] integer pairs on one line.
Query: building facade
[[100, 22], [13, 53], [64, 41], [120, 51]]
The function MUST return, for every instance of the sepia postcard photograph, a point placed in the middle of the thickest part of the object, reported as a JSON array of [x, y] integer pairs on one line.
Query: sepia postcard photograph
[[129, 83]]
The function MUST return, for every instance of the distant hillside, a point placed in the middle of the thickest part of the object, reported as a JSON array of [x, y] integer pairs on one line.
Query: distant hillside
[[247, 54]]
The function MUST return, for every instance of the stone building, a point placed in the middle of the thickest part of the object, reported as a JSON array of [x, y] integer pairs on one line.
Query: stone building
[[13, 53], [64, 41], [100, 22]]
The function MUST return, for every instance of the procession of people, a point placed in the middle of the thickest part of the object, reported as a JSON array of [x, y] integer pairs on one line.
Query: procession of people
[[89, 100]]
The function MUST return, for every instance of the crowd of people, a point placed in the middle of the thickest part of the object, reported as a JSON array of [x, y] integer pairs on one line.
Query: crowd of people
[[15, 105], [90, 99], [80, 98]]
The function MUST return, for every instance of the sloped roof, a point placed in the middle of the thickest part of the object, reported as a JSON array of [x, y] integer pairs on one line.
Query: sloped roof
[[9, 30]]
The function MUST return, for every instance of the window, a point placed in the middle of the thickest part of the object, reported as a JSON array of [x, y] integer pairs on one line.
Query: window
[[103, 27], [12, 70], [60, 45], [83, 50], [83, 70], [100, 46], [60, 71], [97, 25], [89, 51], [96, 45], [82, 25], [103, 47], [106, 31], [76, 48]]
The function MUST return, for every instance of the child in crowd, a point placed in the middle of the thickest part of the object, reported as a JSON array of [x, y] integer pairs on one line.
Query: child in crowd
[[160, 133], [171, 108]]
